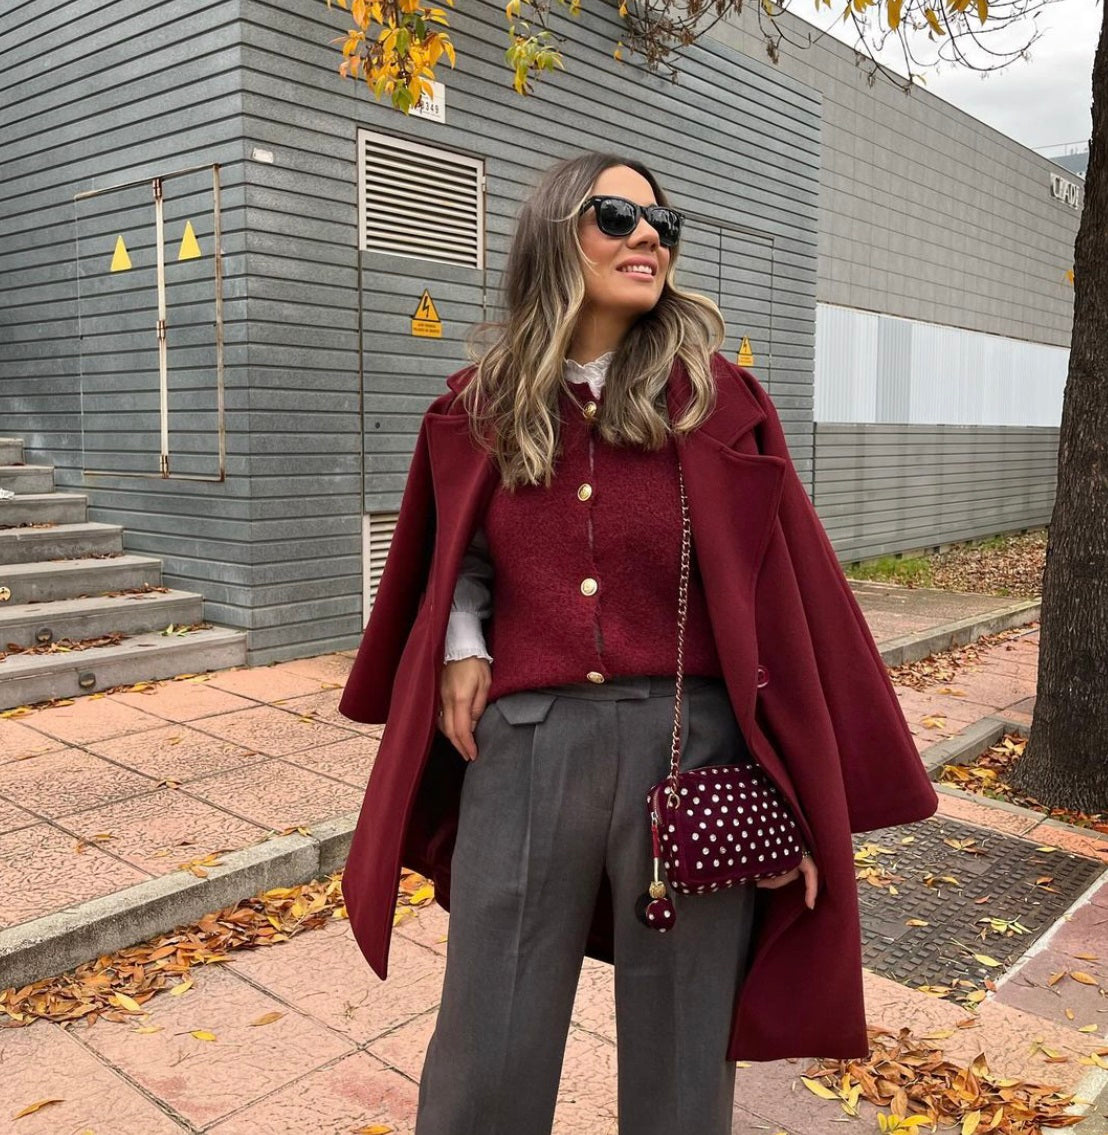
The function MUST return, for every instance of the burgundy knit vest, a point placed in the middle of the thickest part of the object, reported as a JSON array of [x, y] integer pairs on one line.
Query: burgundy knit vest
[[586, 572]]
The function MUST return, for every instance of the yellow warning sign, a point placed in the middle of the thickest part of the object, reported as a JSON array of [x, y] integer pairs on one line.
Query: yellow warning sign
[[746, 354], [425, 321], [190, 249], [120, 260]]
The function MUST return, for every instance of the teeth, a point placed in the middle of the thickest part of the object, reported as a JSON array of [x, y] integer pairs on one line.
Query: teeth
[[642, 270]]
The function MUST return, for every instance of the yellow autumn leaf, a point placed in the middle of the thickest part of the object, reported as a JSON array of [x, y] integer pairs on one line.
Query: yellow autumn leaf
[[821, 1090], [985, 960], [146, 1030], [31, 1108], [422, 895], [267, 1018], [375, 1129], [1087, 1029], [970, 1122], [1084, 978], [128, 1003], [181, 987], [202, 1034]]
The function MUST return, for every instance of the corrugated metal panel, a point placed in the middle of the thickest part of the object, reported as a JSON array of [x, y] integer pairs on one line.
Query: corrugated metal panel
[[880, 368], [896, 488]]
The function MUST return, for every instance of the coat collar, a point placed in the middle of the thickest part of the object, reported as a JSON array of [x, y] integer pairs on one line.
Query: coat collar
[[736, 412]]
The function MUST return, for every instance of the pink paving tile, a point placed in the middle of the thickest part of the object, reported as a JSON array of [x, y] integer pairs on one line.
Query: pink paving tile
[[963, 807], [427, 926], [324, 706], [277, 794], [1003, 1033], [41, 872], [272, 731], [1072, 839], [19, 740], [206, 1080], [353, 1093], [993, 688], [12, 817], [264, 683], [324, 975], [175, 752], [324, 667], [184, 701], [345, 760], [66, 781], [46, 1062], [774, 1089], [594, 1008], [405, 1047], [163, 829], [93, 718], [1029, 987]]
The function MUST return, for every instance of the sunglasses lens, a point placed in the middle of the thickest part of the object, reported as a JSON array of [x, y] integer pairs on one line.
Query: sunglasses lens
[[666, 223], [615, 217]]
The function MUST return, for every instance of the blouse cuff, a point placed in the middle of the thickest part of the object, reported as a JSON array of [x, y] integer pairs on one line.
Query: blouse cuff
[[464, 637]]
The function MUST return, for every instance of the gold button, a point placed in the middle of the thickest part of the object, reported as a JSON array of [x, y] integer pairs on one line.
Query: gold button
[[584, 492], [590, 410], [588, 586], [593, 676]]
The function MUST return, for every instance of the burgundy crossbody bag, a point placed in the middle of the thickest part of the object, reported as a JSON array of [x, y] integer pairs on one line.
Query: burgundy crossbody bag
[[717, 826]]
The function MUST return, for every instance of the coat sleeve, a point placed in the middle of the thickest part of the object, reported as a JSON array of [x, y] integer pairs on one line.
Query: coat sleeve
[[368, 691], [884, 779]]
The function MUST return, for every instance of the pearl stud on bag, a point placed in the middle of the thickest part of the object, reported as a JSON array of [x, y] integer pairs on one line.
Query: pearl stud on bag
[[713, 827]]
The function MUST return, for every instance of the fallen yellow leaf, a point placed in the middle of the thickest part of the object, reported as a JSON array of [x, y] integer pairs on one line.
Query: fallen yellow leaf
[[31, 1108], [268, 1018], [821, 1090], [128, 1003], [202, 1034], [1084, 978]]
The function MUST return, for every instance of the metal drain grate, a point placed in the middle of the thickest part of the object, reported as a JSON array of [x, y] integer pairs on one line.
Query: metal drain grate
[[1008, 873]]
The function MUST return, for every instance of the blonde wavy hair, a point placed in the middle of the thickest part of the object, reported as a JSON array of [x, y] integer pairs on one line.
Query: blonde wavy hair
[[512, 396]]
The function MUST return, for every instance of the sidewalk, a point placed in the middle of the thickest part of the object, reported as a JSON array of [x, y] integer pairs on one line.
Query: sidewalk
[[115, 791]]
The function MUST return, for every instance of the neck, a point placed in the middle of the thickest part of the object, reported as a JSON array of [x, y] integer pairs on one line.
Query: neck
[[596, 333]]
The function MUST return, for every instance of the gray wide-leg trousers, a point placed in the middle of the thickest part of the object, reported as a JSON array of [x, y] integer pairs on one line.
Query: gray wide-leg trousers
[[556, 796]]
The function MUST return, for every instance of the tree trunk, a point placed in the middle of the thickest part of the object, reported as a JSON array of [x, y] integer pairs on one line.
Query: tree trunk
[[1065, 762]]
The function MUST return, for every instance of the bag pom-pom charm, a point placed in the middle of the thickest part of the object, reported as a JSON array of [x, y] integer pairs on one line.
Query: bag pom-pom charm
[[655, 909]]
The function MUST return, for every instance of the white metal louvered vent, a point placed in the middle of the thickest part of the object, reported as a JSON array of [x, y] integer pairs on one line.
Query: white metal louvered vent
[[421, 202], [377, 531]]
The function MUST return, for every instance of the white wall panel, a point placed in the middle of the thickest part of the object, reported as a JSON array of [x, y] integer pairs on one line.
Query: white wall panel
[[874, 368]]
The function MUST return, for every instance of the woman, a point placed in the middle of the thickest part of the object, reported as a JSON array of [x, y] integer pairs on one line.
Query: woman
[[557, 517]]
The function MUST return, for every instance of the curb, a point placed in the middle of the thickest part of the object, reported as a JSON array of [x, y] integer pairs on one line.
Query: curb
[[58, 942], [964, 748], [911, 648]]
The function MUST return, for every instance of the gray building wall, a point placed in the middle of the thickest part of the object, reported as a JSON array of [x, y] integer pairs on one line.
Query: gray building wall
[[926, 212], [316, 332], [157, 90]]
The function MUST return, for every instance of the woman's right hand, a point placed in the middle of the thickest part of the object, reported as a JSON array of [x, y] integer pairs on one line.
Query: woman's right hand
[[463, 691]]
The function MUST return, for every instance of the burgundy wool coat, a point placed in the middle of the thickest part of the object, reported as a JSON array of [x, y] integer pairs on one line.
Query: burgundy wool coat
[[826, 725]]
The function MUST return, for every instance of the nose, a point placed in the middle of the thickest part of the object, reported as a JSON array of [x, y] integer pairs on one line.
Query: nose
[[644, 232]]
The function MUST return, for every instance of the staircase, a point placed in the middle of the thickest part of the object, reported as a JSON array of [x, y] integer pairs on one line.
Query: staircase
[[65, 580]]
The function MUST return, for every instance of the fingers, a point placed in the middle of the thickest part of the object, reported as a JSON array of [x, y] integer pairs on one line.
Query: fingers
[[811, 881], [463, 693], [774, 881]]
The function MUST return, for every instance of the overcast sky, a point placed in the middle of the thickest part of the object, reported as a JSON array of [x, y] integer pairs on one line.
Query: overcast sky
[[1041, 102]]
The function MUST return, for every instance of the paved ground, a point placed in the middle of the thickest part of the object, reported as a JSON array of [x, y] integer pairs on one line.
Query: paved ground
[[83, 812]]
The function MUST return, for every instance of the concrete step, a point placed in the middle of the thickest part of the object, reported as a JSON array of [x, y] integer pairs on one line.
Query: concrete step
[[80, 619], [44, 508], [73, 579], [29, 678], [11, 450], [26, 479], [58, 542]]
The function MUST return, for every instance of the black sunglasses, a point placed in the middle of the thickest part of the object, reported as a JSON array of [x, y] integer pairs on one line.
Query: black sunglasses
[[616, 216]]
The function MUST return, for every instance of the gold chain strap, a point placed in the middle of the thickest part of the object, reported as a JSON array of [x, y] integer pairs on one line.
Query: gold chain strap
[[682, 613]]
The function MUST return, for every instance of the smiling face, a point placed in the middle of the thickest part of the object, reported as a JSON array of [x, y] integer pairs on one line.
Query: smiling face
[[626, 274]]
